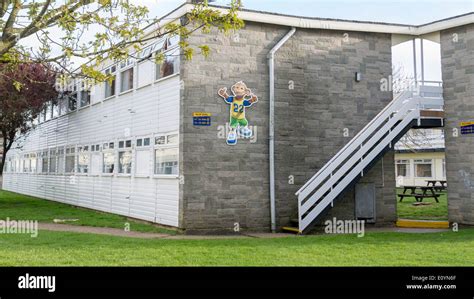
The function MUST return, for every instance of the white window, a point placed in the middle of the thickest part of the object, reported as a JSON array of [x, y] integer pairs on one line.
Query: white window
[[63, 104], [108, 162], [169, 66], [403, 168], [83, 159], [125, 156], [52, 160], [110, 84], [126, 80], [85, 98], [48, 112], [423, 168], [72, 102], [166, 154], [60, 168], [26, 163], [33, 162], [166, 161], [56, 109], [44, 162], [125, 162], [70, 160]]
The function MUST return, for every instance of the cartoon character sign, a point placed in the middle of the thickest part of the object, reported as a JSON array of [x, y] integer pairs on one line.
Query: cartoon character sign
[[242, 98]]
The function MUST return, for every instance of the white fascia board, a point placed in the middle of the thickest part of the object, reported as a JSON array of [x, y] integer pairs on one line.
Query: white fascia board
[[446, 24]]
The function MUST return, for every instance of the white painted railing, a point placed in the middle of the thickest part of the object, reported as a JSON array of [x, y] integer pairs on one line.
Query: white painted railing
[[321, 190]]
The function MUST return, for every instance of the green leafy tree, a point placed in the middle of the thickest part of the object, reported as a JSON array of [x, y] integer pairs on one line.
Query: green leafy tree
[[119, 26], [25, 90]]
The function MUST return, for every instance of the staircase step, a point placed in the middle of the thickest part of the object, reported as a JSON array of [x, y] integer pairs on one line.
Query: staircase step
[[422, 223], [291, 229]]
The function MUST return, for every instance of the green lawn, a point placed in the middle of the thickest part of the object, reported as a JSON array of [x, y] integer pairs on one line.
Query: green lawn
[[435, 211], [375, 249], [21, 207]]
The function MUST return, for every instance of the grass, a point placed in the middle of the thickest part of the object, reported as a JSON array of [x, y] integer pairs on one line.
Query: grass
[[21, 207], [81, 249], [435, 211], [375, 249]]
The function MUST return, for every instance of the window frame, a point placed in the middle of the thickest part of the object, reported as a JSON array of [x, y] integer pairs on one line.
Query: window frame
[[167, 145], [424, 162]]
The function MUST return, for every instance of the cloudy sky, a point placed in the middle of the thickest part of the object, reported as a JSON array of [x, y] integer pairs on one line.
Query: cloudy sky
[[413, 12]]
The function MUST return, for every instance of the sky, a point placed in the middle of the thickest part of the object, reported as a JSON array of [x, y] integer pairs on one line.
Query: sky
[[412, 12]]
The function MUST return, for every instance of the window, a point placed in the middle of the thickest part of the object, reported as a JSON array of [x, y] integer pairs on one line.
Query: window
[[85, 98], [125, 162], [166, 161], [26, 163], [108, 162], [63, 104], [48, 112], [44, 162], [52, 160], [403, 168], [423, 168], [141, 142], [125, 157], [56, 111], [72, 102], [83, 159], [169, 66], [126, 80], [60, 168], [70, 160], [110, 84], [33, 162], [160, 140]]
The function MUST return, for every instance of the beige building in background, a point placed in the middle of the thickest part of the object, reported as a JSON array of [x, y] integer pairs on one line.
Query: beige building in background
[[419, 156]]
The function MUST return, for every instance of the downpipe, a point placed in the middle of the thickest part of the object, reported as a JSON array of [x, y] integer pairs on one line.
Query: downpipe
[[271, 127]]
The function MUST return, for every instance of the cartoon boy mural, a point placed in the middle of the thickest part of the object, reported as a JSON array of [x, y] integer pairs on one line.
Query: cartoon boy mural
[[242, 98]]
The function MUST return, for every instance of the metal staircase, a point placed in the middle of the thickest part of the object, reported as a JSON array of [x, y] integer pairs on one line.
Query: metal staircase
[[356, 157]]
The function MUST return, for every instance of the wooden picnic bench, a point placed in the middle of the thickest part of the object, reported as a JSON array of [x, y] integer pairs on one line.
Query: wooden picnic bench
[[433, 183], [426, 192]]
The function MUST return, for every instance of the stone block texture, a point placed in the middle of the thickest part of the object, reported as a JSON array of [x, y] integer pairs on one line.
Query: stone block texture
[[225, 185], [457, 61]]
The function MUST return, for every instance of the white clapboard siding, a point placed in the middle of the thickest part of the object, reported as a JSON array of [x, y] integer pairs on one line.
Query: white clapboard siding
[[150, 109]]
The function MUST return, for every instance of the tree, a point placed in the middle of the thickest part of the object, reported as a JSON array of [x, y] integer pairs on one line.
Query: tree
[[119, 27], [25, 91]]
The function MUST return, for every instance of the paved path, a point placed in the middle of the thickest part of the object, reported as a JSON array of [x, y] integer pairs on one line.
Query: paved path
[[134, 234], [142, 235]]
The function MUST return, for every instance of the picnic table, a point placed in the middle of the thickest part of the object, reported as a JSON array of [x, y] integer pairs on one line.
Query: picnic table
[[426, 192], [442, 184]]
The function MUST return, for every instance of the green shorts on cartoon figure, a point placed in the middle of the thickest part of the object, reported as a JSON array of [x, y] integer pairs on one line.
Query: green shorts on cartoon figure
[[242, 98]]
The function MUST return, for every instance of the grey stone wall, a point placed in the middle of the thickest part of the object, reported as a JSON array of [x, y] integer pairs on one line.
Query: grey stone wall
[[225, 184], [457, 57]]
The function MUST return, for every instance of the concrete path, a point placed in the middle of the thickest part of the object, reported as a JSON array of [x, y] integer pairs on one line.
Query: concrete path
[[142, 235], [134, 234]]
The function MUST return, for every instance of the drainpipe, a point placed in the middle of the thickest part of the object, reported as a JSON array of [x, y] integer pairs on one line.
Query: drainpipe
[[271, 129]]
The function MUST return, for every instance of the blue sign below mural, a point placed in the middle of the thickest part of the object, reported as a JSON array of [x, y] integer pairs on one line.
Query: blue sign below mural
[[201, 119]]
